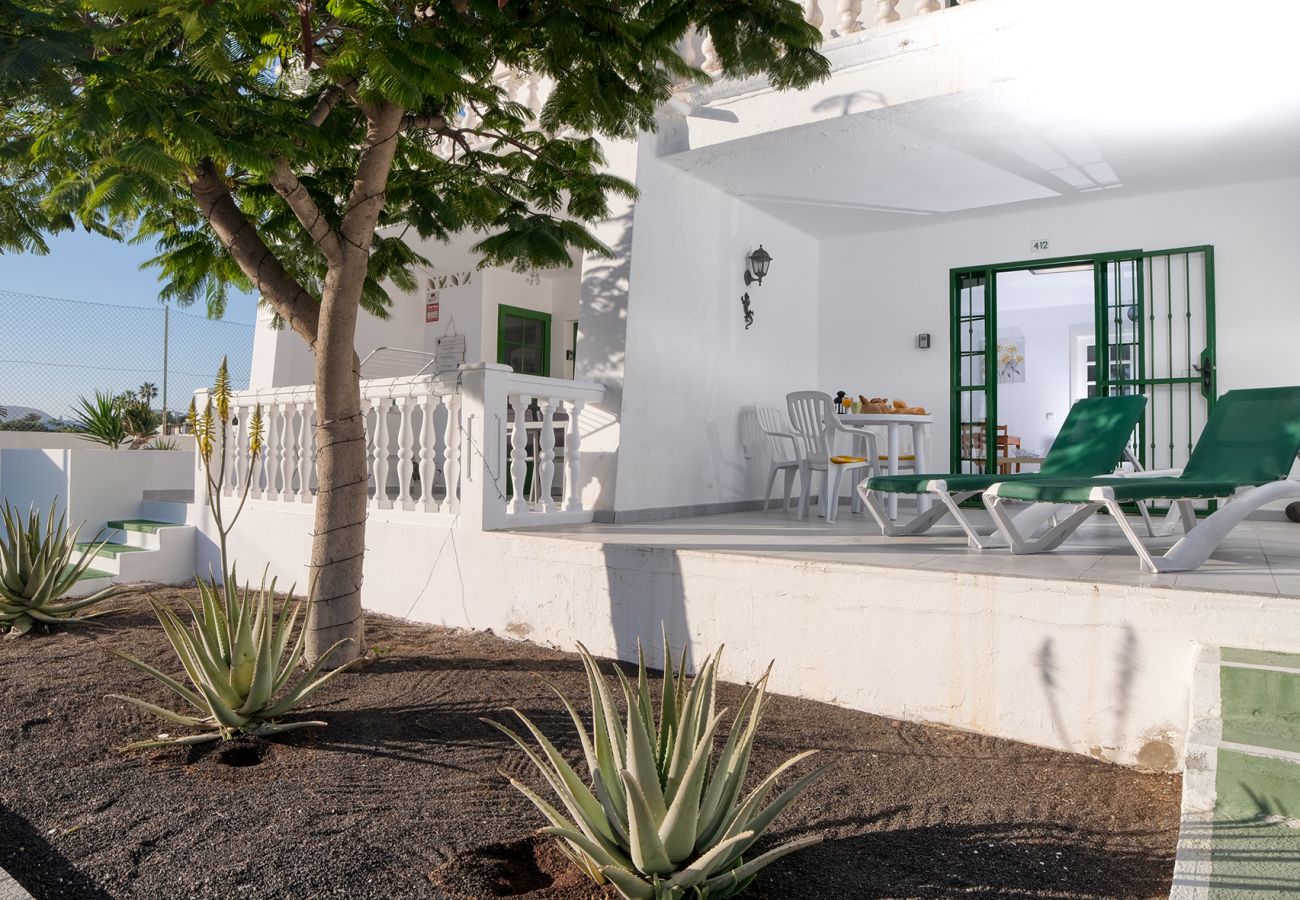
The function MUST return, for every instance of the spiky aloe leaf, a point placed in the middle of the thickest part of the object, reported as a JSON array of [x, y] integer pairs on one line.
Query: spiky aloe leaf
[[664, 857], [37, 571], [725, 885]]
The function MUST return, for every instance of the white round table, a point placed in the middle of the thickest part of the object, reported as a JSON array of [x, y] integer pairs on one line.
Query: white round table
[[891, 422]]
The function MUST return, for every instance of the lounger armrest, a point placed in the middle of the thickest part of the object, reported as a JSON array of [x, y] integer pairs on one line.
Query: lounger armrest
[[1149, 473]]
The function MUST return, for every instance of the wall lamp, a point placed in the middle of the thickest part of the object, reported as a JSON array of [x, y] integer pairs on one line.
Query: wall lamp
[[756, 266]]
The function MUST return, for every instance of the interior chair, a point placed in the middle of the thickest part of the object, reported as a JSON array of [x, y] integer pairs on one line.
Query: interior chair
[[812, 413]]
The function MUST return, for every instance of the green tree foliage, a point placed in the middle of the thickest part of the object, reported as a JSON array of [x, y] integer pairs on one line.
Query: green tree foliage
[[289, 146]]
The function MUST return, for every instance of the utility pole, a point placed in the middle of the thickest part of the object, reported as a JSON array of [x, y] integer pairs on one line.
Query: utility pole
[[167, 308]]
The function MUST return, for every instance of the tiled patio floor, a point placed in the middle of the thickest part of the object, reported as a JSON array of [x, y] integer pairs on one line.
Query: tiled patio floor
[[1260, 557]]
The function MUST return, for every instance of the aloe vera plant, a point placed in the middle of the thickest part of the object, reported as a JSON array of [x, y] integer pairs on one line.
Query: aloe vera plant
[[238, 657], [37, 572], [236, 652], [661, 818]]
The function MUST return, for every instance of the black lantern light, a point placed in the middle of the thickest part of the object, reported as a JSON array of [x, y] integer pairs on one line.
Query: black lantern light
[[757, 264]]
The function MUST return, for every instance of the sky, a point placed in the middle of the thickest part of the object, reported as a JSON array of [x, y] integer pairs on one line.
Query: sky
[[84, 266], [86, 318]]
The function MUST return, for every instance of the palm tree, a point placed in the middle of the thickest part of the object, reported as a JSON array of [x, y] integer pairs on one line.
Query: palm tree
[[4, 413], [147, 391]]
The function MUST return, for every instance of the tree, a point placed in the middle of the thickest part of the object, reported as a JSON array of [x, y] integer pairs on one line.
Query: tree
[[147, 392], [287, 146]]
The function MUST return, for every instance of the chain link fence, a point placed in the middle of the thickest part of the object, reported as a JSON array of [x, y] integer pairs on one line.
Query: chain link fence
[[55, 351]]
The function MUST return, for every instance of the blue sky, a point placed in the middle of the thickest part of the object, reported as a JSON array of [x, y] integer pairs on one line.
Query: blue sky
[[104, 330], [82, 266]]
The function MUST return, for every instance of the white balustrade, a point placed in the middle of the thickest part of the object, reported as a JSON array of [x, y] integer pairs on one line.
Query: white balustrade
[[483, 446], [812, 14], [849, 11]]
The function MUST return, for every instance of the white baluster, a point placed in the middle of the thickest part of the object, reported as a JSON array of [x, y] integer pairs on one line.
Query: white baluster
[[688, 49], [380, 500], [304, 451], [927, 6], [286, 451], [451, 465], [849, 11], [428, 453], [225, 454], [405, 452], [255, 465], [544, 466], [812, 14], [573, 459], [886, 11], [239, 463], [272, 448], [712, 65], [518, 456]]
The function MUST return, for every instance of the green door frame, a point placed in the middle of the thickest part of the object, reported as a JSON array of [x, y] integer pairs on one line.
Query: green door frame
[[989, 275], [1105, 266], [521, 313]]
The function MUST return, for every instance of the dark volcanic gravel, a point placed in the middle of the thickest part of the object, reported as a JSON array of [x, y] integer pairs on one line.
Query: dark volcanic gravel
[[400, 797]]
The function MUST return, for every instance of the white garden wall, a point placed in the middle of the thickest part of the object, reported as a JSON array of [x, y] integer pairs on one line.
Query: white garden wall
[[93, 485], [878, 291], [1101, 669]]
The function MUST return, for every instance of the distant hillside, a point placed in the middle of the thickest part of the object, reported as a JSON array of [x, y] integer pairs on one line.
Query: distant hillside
[[21, 412]]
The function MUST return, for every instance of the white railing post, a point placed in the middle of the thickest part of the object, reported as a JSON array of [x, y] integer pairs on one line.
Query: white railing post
[[849, 11], [428, 444], [927, 6], [812, 14], [573, 459], [712, 65], [453, 447], [405, 452], [886, 11], [544, 466], [482, 440], [201, 399], [518, 455], [306, 462]]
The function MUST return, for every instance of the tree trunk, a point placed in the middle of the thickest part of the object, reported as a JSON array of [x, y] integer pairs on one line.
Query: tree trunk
[[338, 541]]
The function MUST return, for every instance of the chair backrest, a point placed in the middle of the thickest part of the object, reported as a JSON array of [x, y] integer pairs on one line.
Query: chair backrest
[[810, 413], [1252, 437], [1093, 436], [776, 428]]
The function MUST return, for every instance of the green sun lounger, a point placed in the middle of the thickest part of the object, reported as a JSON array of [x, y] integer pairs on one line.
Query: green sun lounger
[[1244, 454], [1091, 442]]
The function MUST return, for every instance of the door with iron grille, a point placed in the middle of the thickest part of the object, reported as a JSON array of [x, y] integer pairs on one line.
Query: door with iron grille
[[1155, 336]]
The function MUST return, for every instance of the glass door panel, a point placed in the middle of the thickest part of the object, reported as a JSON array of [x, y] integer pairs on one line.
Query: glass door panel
[[972, 372]]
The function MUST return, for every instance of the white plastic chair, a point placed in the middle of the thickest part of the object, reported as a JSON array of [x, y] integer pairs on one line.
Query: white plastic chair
[[813, 416], [783, 448]]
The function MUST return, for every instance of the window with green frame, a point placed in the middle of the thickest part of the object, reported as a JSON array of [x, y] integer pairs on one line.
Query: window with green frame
[[524, 340]]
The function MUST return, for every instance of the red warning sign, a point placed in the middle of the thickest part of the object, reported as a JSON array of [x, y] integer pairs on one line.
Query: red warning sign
[[430, 312]]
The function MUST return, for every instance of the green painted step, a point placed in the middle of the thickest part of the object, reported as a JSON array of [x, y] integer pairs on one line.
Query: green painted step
[[1260, 658], [1260, 707], [88, 574], [1255, 846], [148, 526], [110, 550]]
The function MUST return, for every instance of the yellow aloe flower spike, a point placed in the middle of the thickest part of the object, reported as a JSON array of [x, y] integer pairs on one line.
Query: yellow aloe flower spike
[[192, 417], [255, 432], [221, 392], [203, 432]]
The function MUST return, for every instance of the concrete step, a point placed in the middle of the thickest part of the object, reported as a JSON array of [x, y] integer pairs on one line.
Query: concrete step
[[173, 511], [1260, 707]]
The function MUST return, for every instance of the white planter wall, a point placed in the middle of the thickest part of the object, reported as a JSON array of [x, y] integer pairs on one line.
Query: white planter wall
[[94, 485]]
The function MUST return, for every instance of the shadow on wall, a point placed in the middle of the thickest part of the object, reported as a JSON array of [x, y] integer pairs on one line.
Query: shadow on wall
[[1126, 669], [638, 614], [856, 102], [601, 349]]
